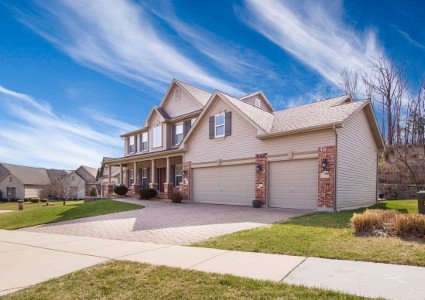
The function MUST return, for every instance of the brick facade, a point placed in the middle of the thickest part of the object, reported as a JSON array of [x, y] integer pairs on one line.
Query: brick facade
[[110, 188], [134, 190], [168, 189], [326, 178], [261, 177], [187, 180]]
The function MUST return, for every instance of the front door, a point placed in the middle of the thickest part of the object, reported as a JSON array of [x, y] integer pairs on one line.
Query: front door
[[161, 178]]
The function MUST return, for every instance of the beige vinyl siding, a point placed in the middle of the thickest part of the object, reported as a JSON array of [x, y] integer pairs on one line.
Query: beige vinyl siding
[[16, 183], [32, 191], [177, 107], [231, 185], [243, 142], [356, 163], [293, 184]]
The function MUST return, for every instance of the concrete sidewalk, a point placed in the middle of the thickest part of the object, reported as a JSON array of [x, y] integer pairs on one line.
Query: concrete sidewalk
[[58, 255]]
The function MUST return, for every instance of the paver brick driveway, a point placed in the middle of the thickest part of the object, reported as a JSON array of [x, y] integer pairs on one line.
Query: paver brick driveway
[[169, 223]]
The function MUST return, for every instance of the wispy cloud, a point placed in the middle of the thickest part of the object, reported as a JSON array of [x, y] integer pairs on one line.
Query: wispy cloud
[[35, 134], [409, 38], [314, 32], [117, 37]]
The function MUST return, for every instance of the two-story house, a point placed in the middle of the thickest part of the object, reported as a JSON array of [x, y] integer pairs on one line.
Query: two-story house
[[225, 150]]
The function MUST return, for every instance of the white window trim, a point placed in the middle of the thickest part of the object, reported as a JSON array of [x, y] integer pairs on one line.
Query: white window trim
[[147, 141], [130, 144], [160, 137], [175, 175], [216, 126], [175, 137]]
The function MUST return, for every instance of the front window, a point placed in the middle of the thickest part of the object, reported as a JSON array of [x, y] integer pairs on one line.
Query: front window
[[157, 136], [144, 141], [131, 144], [179, 175], [145, 178], [179, 134], [219, 125], [130, 177]]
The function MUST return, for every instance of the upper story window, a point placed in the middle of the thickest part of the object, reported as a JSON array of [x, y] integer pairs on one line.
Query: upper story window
[[144, 141], [219, 125], [131, 144], [257, 103], [157, 136], [178, 138]]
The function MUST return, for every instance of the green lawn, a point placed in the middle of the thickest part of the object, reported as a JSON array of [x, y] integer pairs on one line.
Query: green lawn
[[130, 280], [38, 213], [326, 235]]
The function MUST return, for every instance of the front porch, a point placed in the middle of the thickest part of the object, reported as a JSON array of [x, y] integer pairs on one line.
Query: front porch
[[162, 173]]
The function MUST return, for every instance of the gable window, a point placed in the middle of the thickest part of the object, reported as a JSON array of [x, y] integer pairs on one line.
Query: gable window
[[157, 136], [219, 125], [178, 137], [144, 141], [179, 175], [131, 144], [10, 179], [177, 94], [257, 103]]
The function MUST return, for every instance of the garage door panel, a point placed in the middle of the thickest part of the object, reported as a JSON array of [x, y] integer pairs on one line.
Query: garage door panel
[[233, 185], [293, 184]]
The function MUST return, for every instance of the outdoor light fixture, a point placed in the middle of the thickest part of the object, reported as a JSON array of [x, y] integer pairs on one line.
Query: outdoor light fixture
[[259, 168], [185, 172], [324, 164]]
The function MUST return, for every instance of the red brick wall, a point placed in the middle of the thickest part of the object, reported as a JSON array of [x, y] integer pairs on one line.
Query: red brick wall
[[187, 179], [261, 177], [326, 178]]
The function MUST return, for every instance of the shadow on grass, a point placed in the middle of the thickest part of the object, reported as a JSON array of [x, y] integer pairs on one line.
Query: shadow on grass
[[385, 205]]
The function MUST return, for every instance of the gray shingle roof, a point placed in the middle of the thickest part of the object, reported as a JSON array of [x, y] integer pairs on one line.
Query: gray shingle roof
[[87, 173], [28, 175], [55, 175], [199, 94], [162, 112], [321, 113]]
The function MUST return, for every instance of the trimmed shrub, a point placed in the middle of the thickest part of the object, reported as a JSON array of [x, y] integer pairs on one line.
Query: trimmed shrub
[[13, 200], [376, 222], [93, 192], [27, 199], [34, 200], [176, 196], [121, 190], [147, 193]]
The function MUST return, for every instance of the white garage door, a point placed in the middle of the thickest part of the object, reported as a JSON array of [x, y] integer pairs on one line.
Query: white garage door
[[233, 185], [293, 184]]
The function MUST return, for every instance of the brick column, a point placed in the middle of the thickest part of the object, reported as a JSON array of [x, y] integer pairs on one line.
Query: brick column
[[187, 180], [168, 189], [326, 179], [110, 189], [261, 177], [134, 189]]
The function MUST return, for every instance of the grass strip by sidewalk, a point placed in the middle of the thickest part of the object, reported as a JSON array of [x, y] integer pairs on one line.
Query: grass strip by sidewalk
[[326, 235], [37, 213], [131, 280]]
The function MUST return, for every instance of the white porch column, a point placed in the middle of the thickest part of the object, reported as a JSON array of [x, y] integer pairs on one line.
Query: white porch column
[[153, 172], [121, 175], [135, 173], [167, 174], [109, 174]]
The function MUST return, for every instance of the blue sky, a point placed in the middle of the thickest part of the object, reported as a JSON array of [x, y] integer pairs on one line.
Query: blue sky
[[76, 74]]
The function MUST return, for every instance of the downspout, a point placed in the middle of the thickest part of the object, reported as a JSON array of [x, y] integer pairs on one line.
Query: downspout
[[335, 164]]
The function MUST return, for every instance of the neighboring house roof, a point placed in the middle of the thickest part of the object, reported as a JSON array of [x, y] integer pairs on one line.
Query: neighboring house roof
[[87, 173], [55, 175], [28, 175], [260, 93], [199, 94]]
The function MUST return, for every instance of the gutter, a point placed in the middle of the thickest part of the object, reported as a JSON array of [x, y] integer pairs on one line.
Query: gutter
[[141, 157], [335, 166], [300, 130]]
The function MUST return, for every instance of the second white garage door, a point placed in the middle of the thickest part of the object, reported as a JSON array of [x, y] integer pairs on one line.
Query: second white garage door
[[293, 184], [232, 185]]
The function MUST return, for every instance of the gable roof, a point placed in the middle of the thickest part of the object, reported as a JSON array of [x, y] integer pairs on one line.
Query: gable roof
[[199, 94], [28, 175], [260, 93], [87, 173], [55, 175]]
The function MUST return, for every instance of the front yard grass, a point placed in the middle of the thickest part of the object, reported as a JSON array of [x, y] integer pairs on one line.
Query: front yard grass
[[327, 235], [131, 280], [38, 213]]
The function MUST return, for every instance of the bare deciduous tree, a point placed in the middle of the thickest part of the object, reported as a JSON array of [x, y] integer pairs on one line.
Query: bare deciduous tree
[[57, 189], [350, 82]]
